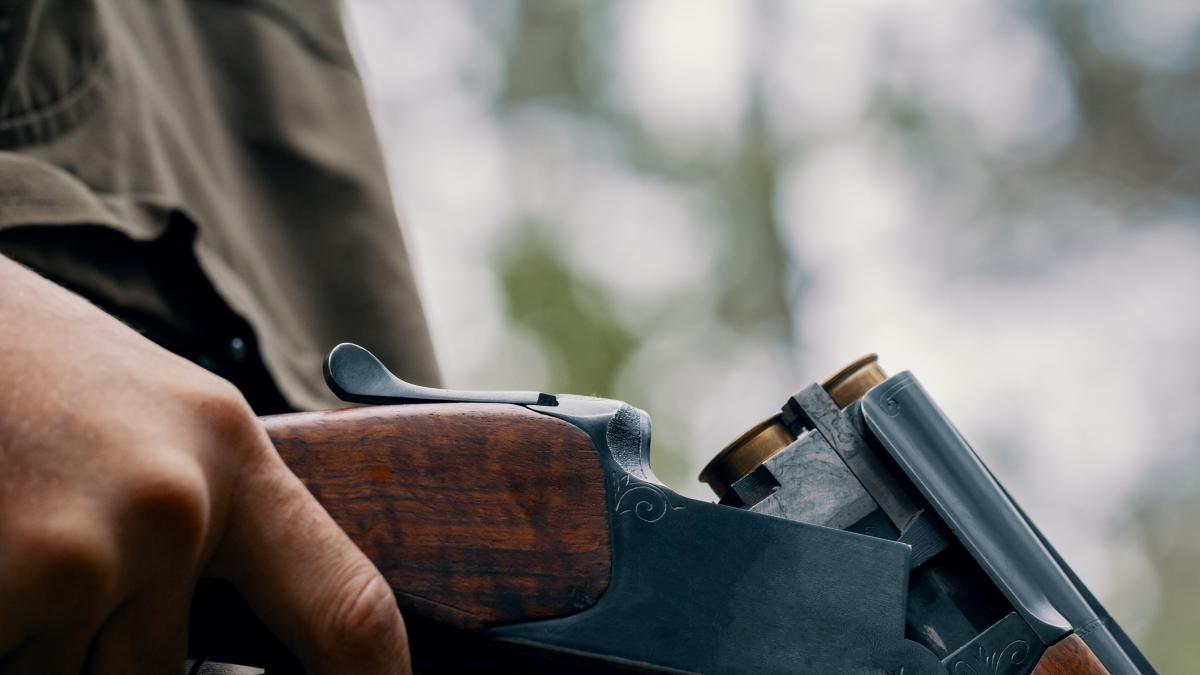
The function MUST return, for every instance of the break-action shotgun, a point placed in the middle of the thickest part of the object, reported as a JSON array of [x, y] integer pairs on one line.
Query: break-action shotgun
[[856, 532]]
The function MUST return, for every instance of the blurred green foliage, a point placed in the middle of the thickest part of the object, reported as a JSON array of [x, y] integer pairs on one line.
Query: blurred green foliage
[[574, 321]]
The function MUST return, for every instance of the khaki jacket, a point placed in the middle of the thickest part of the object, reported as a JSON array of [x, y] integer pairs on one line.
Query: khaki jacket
[[243, 120]]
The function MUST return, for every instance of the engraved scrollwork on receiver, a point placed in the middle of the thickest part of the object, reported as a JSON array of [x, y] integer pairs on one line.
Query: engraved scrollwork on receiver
[[999, 662], [647, 501]]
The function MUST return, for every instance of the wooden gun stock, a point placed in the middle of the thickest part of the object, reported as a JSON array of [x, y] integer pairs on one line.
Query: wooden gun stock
[[1069, 656], [477, 514]]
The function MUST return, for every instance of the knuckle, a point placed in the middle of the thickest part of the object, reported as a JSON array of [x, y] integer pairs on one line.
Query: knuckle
[[219, 402], [225, 414], [64, 554], [70, 561], [171, 500], [364, 620]]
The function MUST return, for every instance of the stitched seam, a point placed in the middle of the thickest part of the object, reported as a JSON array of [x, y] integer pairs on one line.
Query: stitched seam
[[8, 21], [60, 105], [41, 123]]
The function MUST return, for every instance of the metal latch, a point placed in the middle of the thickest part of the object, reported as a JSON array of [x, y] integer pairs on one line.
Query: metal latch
[[355, 375]]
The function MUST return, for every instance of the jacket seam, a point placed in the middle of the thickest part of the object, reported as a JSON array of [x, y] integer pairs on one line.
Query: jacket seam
[[60, 105]]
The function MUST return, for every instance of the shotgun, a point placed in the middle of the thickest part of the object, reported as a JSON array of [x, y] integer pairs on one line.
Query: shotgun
[[856, 532]]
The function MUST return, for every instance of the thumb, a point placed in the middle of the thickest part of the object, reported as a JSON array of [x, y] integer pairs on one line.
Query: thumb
[[304, 578]]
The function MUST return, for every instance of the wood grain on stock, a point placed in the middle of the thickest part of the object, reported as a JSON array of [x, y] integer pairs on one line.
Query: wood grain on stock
[[1069, 656], [476, 513]]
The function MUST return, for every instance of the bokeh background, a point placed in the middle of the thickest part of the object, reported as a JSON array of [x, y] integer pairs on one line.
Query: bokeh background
[[700, 206]]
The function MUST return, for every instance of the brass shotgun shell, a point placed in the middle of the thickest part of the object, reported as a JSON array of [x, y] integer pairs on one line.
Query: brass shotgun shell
[[850, 383], [747, 453], [763, 440]]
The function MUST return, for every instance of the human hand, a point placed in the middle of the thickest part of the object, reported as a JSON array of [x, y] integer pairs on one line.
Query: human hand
[[126, 473]]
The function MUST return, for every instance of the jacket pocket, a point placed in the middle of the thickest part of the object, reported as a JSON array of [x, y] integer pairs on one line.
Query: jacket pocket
[[51, 59]]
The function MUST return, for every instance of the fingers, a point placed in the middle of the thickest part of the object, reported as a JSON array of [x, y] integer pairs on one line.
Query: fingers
[[58, 582], [101, 582], [162, 509], [54, 654], [147, 634], [304, 577]]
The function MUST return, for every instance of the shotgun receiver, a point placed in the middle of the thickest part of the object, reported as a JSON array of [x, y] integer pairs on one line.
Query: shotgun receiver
[[856, 533]]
